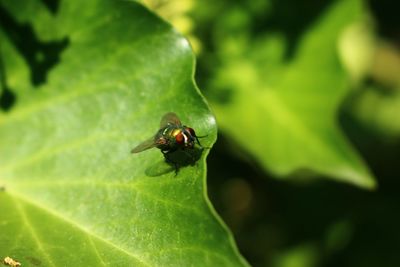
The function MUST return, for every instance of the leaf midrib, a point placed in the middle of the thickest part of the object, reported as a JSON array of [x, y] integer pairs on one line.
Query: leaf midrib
[[125, 186]]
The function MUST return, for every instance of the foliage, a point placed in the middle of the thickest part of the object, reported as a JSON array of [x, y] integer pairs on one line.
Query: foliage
[[301, 90], [88, 88], [283, 110]]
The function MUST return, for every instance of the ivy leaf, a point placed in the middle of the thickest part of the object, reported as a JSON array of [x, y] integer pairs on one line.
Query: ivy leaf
[[72, 193], [284, 113]]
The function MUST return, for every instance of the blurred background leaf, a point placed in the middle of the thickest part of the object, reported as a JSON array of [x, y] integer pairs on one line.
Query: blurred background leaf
[[284, 112]]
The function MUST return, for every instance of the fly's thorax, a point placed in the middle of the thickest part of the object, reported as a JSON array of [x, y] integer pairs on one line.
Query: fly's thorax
[[169, 133], [177, 136]]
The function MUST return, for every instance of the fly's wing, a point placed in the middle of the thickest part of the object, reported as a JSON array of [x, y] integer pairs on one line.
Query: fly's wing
[[149, 143], [170, 118]]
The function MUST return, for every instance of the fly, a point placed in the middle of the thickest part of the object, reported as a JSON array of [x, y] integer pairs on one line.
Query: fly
[[171, 136]]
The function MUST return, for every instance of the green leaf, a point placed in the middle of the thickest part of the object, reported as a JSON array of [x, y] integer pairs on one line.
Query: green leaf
[[73, 194], [284, 113]]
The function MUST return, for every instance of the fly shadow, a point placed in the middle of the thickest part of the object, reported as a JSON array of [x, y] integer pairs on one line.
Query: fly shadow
[[173, 161]]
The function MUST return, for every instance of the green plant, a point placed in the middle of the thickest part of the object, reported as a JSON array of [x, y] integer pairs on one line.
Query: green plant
[[301, 90], [73, 195]]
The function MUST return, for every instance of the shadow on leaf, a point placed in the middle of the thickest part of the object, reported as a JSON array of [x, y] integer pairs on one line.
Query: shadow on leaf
[[40, 56], [176, 160]]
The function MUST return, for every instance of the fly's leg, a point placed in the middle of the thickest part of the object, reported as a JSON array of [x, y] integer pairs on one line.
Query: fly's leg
[[198, 141]]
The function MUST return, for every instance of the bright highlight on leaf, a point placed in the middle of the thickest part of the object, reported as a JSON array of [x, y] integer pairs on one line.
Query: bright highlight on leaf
[[73, 193]]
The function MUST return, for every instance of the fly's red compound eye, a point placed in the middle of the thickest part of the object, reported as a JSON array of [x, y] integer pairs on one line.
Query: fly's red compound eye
[[179, 138], [191, 131]]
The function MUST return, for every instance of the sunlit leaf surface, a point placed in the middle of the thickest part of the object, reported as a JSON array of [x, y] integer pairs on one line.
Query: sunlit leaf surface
[[72, 194]]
